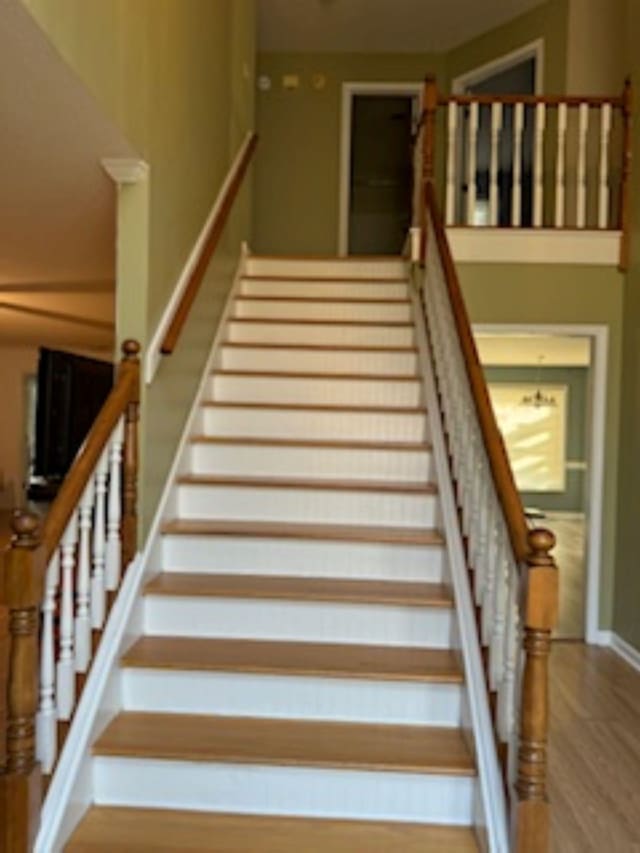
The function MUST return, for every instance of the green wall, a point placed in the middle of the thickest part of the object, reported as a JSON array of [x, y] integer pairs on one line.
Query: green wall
[[562, 294], [572, 498], [548, 22], [627, 603], [297, 172], [177, 77]]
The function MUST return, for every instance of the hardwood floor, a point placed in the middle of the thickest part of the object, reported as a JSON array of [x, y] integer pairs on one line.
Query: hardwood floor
[[594, 756]]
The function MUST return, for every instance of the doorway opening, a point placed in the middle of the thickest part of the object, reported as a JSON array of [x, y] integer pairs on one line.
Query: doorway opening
[[376, 168], [548, 388], [518, 73]]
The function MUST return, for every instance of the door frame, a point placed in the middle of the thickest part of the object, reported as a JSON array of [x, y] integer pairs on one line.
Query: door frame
[[534, 49], [597, 405], [349, 91]]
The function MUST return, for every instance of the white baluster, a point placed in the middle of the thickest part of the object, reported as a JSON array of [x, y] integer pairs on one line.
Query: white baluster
[[497, 645], [83, 581], [506, 693], [66, 673], [581, 178], [114, 509], [560, 165], [538, 190], [99, 544], [472, 142], [603, 183], [496, 127], [46, 721], [516, 190], [452, 129]]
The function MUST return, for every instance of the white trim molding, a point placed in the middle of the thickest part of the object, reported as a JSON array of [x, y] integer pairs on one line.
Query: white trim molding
[[125, 170], [153, 355], [534, 49], [534, 246], [599, 335], [626, 651], [349, 91]]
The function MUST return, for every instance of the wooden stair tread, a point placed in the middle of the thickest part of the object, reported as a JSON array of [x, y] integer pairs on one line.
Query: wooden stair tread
[[271, 482], [332, 660], [329, 532], [111, 829], [328, 322], [310, 407], [348, 348], [342, 300], [329, 279], [278, 587], [336, 444], [249, 740], [305, 374]]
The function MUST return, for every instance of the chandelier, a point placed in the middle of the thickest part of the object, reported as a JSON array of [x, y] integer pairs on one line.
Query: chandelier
[[539, 399]]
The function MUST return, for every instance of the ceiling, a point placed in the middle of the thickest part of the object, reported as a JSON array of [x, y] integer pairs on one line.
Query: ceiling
[[393, 26], [533, 350], [57, 205]]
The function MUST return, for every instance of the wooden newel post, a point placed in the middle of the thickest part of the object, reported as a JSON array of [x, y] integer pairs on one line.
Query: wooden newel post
[[532, 810], [430, 107], [625, 180], [21, 591], [130, 361]]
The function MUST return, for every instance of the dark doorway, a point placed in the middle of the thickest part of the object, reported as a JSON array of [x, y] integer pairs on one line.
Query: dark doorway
[[519, 79], [381, 174]]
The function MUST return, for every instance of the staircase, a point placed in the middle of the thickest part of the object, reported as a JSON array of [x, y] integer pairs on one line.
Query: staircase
[[297, 685]]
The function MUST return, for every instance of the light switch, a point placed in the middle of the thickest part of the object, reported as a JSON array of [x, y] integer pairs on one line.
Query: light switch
[[290, 81]]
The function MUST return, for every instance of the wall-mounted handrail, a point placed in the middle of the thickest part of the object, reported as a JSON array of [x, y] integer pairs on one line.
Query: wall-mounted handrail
[[181, 313], [55, 588]]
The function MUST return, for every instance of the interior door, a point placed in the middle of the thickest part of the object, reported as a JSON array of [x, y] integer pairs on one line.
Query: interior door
[[381, 174]]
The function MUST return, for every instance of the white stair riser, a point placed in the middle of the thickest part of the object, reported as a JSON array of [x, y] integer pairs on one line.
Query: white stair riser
[[310, 621], [314, 425], [260, 789], [328, 267], [318, 361], [316, 391], [297, 697], [319, 310], [340, 334], [324, 289], [320, 462], [306, 558], [321, 506]]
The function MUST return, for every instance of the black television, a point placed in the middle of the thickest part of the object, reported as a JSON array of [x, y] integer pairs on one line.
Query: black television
[[70, 392]]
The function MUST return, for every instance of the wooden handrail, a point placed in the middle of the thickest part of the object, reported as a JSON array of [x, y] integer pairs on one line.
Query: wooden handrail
[[213, 237], [498, 460], [124, 392], [533, 100]]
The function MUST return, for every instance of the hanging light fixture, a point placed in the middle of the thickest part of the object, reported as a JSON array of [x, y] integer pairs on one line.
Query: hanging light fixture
[[539, 400]]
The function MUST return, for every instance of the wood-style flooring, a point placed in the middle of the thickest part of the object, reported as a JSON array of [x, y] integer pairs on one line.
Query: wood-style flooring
[[594, 754]]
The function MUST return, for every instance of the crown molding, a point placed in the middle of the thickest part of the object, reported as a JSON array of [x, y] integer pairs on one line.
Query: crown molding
[[125, 170]]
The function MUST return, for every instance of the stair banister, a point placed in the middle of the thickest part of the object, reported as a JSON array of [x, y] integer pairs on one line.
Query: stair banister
[[578, 180], [72, 564], [513, 577]]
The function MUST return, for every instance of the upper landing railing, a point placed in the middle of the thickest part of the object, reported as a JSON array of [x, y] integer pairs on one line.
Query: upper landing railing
[[529, 161]]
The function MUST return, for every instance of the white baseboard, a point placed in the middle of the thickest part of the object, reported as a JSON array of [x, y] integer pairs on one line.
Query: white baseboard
[[153, 355], [613, 641], [626, 651]]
